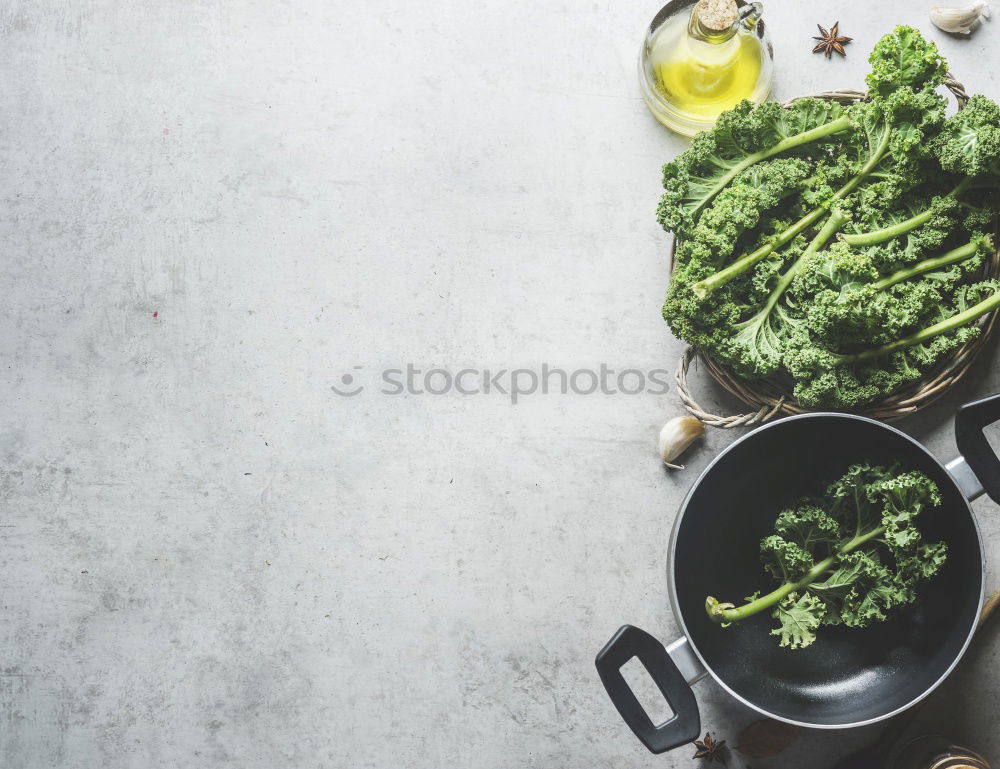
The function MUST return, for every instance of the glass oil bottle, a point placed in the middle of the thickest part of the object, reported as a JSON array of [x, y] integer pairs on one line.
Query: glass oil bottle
[[702, 57]]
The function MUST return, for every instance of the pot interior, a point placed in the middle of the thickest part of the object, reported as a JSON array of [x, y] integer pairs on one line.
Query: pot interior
[[847, 676]]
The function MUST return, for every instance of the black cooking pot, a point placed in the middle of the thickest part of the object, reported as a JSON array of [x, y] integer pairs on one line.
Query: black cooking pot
[[850, 677]]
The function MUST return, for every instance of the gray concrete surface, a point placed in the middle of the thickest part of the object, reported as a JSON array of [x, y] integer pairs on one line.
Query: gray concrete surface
[[212, 212]]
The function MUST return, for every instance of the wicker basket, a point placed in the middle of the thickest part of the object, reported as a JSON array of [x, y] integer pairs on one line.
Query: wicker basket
[[772, 397]]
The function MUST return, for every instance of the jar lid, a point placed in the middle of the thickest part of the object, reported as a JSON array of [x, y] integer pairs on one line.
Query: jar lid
[[960, 762]]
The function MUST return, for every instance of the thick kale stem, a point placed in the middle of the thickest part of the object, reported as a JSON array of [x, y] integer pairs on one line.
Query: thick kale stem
[[829, 229], [790, 142], [955, 255], [719, 613], [757, 332], [704, 287], [941, 327], [875, 237]]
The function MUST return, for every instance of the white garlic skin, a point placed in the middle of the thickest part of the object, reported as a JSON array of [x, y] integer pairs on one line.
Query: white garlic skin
[[677, 435], [959, 20]]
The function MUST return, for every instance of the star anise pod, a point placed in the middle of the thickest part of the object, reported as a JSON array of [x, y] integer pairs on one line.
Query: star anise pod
[[831, 41], [710, 748]]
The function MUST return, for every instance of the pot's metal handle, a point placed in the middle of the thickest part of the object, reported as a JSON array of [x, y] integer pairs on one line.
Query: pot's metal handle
[[686, 660], [631, 642], [975, 449]]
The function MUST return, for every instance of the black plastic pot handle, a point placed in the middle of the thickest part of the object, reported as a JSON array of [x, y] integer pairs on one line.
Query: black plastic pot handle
[[973, 446], [631, 642]]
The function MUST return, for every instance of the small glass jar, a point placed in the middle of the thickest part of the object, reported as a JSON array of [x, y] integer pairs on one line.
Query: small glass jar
[[936, 752], [692, 69]]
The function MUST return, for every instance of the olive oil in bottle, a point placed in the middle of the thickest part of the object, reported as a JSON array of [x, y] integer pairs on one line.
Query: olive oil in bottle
[[703, 59]]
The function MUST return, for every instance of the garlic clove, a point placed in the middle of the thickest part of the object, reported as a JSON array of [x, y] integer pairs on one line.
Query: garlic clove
[[959, 20], [676, 436]]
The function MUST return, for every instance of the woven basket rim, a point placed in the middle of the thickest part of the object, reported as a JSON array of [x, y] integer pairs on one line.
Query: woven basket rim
[[770, 396]]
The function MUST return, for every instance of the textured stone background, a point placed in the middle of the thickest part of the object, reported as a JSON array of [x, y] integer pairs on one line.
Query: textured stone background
[[212, 211]]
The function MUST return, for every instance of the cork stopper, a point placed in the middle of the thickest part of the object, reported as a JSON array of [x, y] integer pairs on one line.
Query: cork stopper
[[717, 15]]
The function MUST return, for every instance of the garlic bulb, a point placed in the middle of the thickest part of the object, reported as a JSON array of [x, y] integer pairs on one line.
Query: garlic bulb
[[959, 21], [676, 436]]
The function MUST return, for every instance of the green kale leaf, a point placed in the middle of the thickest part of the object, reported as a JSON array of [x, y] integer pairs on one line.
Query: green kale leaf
[[847, 558]]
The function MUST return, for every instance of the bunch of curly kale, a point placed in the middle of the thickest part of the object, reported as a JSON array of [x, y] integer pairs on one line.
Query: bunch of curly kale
[[839, 246]]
